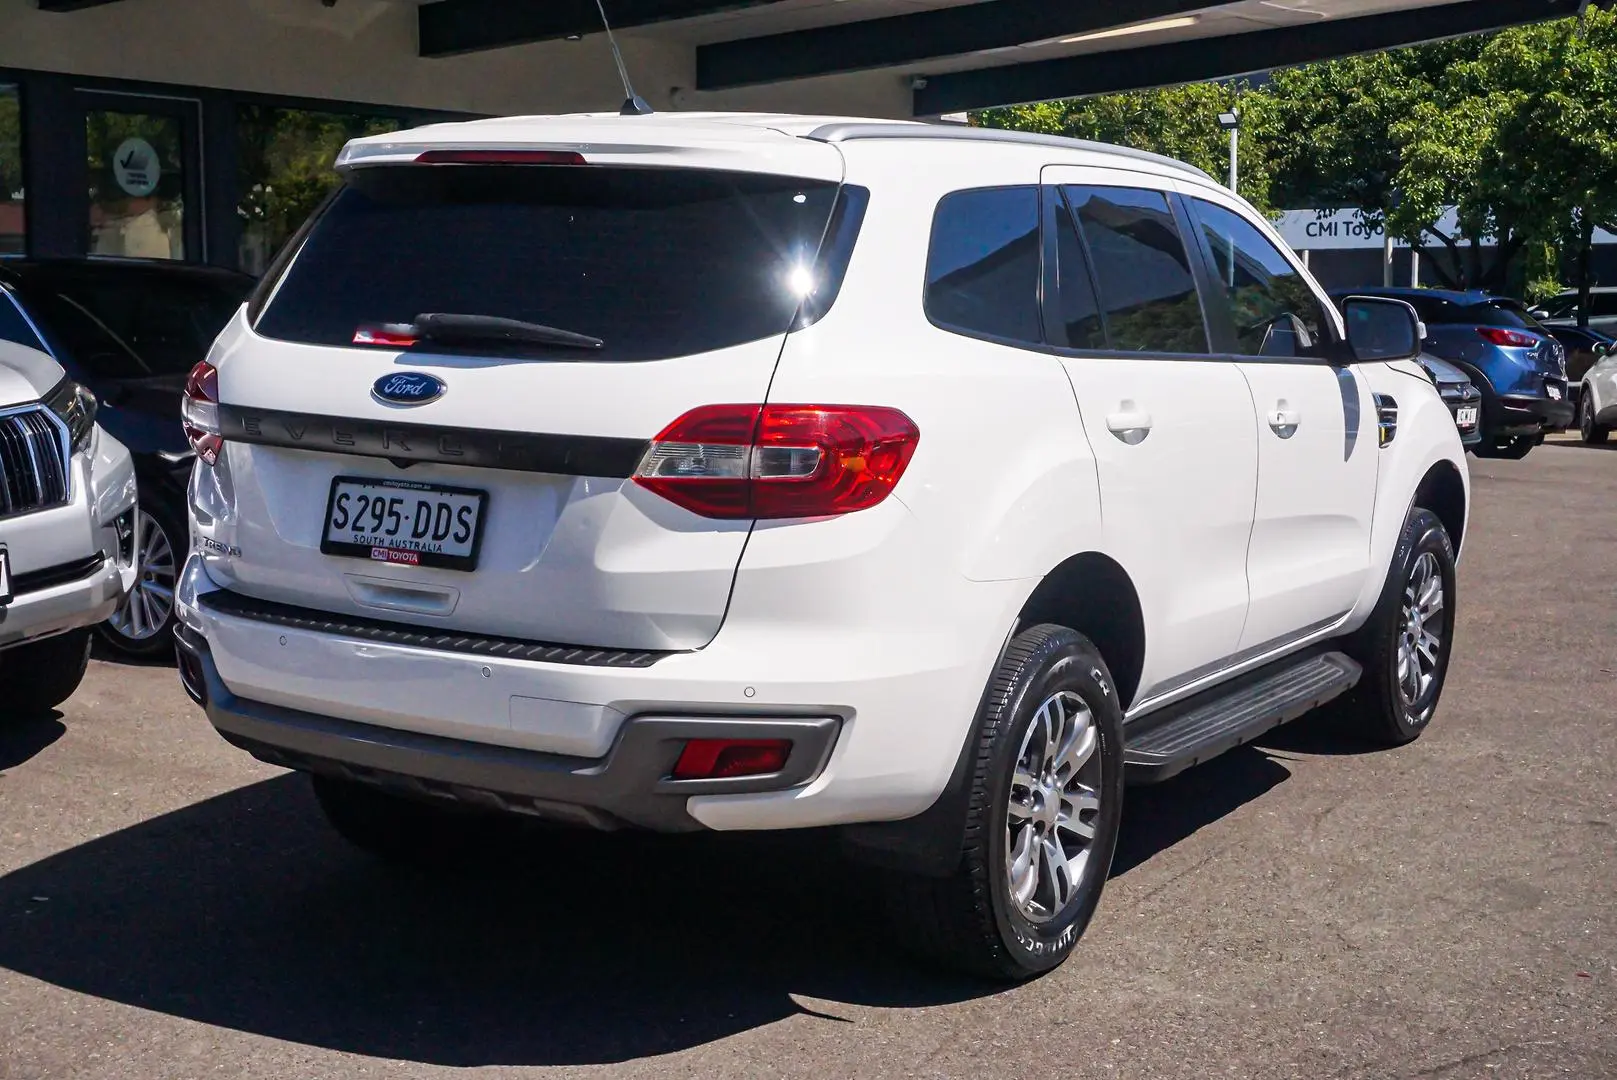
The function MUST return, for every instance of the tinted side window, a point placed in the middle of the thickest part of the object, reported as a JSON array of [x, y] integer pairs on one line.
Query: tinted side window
[[1602, 304], [133, 325], [1076, 303], [12, 325], [982, 268], [1146, 286], [1271, 307]]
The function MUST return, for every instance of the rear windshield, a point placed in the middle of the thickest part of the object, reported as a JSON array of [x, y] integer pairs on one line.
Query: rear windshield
[[654, 262], [131, 325]]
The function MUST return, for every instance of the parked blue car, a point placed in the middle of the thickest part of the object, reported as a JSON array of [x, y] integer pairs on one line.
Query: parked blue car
[[1510, 356]]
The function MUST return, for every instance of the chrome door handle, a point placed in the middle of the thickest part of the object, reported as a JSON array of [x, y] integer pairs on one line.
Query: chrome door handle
[[1284, 421], [1129, 424]]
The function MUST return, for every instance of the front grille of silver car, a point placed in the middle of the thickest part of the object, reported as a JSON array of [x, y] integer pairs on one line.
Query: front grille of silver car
[[33, 462]]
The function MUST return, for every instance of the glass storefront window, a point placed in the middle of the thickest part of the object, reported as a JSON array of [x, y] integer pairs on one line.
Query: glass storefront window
[[13, 226], [137, 184], [285, 164]]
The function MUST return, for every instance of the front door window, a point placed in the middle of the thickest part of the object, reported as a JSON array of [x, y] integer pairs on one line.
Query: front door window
[[137, 184]]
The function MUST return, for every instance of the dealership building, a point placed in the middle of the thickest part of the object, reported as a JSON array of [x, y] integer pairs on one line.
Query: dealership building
[[202, 130]]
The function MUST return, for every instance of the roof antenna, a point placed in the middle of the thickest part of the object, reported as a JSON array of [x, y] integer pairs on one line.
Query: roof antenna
[[634, 104]]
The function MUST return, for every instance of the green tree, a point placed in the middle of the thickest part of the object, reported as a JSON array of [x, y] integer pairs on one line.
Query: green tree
[[1400, 136], [1516, 130], [286, 162], [1179, 121], [1556, 144]]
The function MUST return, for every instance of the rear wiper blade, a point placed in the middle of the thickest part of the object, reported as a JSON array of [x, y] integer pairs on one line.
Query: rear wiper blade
[[448, 329]]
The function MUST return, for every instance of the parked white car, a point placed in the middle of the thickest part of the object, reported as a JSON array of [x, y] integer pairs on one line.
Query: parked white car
[[67, 493], [1597, 400], [764, 472]]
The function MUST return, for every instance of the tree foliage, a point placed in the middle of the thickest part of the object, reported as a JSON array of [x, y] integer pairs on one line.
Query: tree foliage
[[1179, 121], [1516, 130], [286, 165]]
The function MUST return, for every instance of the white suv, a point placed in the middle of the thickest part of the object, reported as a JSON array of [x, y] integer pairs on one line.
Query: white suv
[[766, 472], [67, 519]]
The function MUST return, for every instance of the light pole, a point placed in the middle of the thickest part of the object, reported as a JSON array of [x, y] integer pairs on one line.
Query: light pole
[[1231, 122]]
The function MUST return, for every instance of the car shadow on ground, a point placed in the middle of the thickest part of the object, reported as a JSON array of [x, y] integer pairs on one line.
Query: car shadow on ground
[[100, 650], [22, 737], [537, 948]]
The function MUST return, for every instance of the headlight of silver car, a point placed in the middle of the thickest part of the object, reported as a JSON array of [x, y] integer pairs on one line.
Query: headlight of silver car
[[76, 405]]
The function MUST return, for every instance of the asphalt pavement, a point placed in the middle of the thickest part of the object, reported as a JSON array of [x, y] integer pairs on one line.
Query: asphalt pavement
[[1306, 907]]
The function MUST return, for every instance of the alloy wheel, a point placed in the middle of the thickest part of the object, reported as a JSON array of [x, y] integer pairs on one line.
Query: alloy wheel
[[1054, 802], [1420, 641], [146, 609]]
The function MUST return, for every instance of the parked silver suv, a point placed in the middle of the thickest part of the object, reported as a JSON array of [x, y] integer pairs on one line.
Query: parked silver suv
[[67, 496]]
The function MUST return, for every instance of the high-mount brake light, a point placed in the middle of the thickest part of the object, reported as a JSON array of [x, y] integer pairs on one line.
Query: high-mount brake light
[[500, 157], [1499, 335], [392, 337], [779, 461], [199, 412]]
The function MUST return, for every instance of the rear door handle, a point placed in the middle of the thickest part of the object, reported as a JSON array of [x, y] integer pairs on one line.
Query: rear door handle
[[1129, 423], [1284, 420]]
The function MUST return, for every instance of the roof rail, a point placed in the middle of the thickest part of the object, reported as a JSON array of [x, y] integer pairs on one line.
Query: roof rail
[[844, 132]]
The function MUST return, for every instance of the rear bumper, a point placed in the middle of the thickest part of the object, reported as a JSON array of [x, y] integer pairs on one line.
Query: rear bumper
[[876, 724], [1516, 414], [630, 785]]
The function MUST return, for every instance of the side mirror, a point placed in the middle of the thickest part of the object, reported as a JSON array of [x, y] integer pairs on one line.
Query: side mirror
[[1538, 313], [1380, 328]]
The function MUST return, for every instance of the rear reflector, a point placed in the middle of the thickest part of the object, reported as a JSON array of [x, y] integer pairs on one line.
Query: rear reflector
[[500, 157], [779, 461], [714, 759]]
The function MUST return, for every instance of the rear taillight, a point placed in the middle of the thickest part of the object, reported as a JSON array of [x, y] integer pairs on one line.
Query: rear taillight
[[715, 759], [779, 461], [199, 412], [1515, 339]]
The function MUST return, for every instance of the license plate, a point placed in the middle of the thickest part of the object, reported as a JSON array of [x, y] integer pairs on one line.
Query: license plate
[[1466, 417], [406, 523], [1553, 390]]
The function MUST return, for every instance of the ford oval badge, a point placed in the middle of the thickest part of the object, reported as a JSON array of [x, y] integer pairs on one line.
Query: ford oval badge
[[408, 388]]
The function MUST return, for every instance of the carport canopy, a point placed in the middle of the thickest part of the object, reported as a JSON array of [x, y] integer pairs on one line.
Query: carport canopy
[[965, 54]]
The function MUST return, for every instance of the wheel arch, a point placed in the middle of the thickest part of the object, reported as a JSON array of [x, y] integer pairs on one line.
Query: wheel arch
[[1088, 592], [1442, 491], [1092, 594]]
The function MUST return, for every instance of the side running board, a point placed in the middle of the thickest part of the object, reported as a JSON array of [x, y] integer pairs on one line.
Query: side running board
[[1168, 742]]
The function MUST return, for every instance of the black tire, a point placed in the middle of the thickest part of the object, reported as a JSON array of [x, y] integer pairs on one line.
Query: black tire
[[392, 827], [159, 641], [37, 677], [970, 920], [1594, 434], [1512, 449], [1387, 712]]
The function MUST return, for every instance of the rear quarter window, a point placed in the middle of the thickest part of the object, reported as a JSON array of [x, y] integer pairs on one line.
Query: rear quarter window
[[982, 264]]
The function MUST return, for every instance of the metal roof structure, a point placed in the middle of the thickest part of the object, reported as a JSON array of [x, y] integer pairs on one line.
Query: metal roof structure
[[966, 54]]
